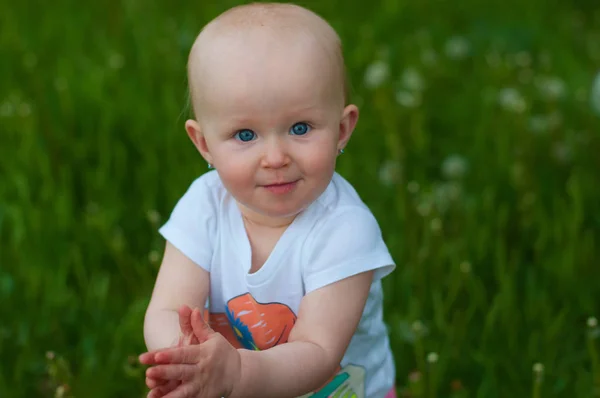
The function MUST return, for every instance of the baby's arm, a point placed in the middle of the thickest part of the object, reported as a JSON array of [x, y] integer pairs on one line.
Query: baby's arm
[[327, 319], [180, 281]]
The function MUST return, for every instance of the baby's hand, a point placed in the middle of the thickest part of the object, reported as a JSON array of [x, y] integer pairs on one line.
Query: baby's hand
[[162, 387], [207, 370], [187, 336]]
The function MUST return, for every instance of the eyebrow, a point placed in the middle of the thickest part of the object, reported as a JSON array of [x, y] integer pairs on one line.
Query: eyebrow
[[291, 114]]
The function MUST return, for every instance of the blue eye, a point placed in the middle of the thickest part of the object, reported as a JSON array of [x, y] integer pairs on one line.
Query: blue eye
[[300, 129], [245, 135]]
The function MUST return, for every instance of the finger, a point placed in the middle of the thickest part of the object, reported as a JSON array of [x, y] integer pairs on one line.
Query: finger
[[184, 390], [185, 339], [158, 356], [150, 358], [184, 320], [202, 330], [165, 389], [153, 382], [190, 339], [171, 372], [156, 393], [147, 358], [179, 355]]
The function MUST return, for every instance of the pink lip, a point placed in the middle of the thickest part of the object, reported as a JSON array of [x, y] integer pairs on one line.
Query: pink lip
[[281, 189]]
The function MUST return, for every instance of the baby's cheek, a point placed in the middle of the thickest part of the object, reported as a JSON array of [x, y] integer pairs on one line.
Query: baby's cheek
[[319, 163], [236, 178]]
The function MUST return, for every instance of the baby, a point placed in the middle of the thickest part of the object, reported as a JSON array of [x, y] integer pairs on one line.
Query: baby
[[280, 246]]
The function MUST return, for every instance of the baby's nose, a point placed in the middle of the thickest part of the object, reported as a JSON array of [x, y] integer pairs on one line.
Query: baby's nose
[[275, 155]]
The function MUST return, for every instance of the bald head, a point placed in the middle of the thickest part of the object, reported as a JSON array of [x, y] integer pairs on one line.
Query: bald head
[[265, 40]]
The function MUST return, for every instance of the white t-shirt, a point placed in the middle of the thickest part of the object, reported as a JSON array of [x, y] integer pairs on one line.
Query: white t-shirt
[[334, 238]]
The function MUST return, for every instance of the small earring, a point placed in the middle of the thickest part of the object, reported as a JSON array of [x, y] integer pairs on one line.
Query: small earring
[[341, 151], [210, 166]]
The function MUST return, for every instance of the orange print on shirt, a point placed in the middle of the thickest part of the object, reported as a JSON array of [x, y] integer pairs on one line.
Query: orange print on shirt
[[249, 324]]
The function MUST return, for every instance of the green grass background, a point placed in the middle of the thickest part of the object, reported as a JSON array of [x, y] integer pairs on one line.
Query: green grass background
[[484, 173]]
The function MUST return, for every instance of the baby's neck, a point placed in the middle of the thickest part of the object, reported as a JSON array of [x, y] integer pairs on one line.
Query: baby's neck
[[261, 221]]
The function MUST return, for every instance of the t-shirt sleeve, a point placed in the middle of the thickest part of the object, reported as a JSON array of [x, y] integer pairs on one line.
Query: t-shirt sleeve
[[346, 244], [190, 227]]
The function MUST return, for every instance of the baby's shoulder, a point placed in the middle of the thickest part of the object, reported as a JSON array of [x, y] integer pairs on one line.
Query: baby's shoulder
[[340, 200], [340, 210], [207, 189]]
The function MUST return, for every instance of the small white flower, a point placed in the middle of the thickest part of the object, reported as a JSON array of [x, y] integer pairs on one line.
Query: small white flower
[[412, 80], [413, 187], [595, 94], [376, 74], [60, 391], [457, 47], [116, 61], [50, 355], [153, 216], [390, 173], [465, 267], [408, 99], [538, 368], [551, 88], [417, 326], [512, 100], [454, 167], [153, 257], [432, 357], [592, 322]]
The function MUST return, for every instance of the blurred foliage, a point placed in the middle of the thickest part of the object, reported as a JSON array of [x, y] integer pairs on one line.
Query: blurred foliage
[[477, 149]]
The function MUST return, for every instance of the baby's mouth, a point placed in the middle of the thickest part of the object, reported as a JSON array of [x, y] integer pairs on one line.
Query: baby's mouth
[[281, 187]]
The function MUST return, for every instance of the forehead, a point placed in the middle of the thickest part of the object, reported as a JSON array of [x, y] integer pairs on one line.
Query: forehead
[[259, 70]]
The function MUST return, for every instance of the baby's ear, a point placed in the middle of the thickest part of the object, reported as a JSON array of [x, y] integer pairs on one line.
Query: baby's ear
[[347, 125], [195, 133]]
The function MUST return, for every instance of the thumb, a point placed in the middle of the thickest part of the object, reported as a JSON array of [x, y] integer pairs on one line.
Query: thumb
[[185, 323], [202, 330]]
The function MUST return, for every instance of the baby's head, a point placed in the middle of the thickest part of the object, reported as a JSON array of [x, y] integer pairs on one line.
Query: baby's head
[[268, 90]]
